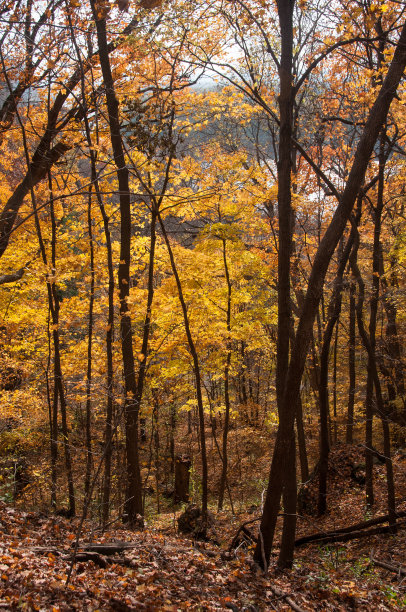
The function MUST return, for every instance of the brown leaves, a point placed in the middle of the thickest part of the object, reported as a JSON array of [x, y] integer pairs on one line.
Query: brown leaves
[[159, 571]]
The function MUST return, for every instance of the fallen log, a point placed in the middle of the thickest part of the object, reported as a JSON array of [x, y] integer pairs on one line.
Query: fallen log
[[351, 528], [281, 595], [354, 535], [85, 555], [396, 569], [92, 556], [107, 548]]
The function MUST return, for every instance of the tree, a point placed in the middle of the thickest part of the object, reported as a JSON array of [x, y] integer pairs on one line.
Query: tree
[[282, 457]]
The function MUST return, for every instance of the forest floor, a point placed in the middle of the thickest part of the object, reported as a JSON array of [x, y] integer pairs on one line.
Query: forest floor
[[163, 570]]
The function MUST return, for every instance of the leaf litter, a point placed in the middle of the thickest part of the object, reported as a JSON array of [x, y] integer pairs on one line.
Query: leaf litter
[[163, 571]]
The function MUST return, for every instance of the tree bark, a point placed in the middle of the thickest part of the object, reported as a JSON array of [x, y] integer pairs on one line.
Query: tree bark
[[133, 504], [285, 12]]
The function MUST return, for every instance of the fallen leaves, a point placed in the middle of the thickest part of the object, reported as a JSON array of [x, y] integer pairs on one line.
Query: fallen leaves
[[156, 570]]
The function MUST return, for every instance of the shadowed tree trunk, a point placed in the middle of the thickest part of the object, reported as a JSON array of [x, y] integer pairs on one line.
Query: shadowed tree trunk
[[301, 441], [133, 504], [380, 404], [325, 251], [334, 310], [351, 366], [285, 12]]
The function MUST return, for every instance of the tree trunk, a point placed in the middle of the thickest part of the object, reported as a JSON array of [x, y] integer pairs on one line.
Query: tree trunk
[[351, 366], [335, 351], [285, 12], [328, 244], [334, 309], [223, 478], [196, 369], [133, 504], [182, 478], [301, 439], [372, 367], [89, 354], [108, 432]]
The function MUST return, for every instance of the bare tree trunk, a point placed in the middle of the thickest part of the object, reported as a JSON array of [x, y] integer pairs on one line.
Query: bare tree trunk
[[133, 505], [328, 244], [223, 478], [351, 367], [157, 450], [89, 353], [335, 350], [334, 309], [285, 12], [301, 439], [196, 369]]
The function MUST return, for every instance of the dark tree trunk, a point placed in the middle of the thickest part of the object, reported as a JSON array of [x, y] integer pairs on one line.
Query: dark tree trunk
[[301, 439], [182, 478], [351, 366], [147, 323], [285, 12], [334, 309], [157, 450], [58, 379], [172, 434], [328, 244], [108, 433], [133, 505], [335, 351], [223, 478], [89, 354], [380, 405]]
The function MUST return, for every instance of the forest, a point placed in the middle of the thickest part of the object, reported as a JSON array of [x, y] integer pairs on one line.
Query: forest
[[202, 303]]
